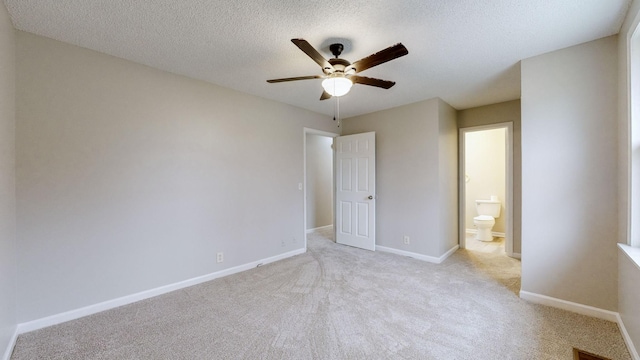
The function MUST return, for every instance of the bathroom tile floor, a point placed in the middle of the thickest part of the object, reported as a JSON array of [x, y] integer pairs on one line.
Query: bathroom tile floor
[[495, 247]]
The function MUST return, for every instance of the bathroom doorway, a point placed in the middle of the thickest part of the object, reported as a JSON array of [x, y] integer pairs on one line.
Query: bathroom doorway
[[486, 178], [318, 182]]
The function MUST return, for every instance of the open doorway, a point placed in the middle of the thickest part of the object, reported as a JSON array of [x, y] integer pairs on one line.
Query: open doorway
[[486, 188], [318, 182]]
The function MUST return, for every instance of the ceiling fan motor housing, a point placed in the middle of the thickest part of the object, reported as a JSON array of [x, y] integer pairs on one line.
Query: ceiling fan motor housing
[[336, 49], [338, 65]]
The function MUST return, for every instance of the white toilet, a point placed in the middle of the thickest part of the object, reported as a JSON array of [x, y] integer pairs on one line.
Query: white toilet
[[488, 211]]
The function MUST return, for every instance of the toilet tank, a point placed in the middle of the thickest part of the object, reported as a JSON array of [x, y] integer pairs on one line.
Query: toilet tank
[[488, 207]]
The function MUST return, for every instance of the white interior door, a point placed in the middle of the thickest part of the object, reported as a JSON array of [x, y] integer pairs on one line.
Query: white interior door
[[356, 190]]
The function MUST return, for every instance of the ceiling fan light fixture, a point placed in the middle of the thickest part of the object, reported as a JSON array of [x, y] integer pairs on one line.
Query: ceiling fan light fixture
[[340, 74], [337, 86]]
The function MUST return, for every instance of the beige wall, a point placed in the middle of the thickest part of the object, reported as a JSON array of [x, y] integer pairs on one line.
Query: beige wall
[[629, 295], [628, 270], [8, 252], [416, 175], [448, 176], [105, 144], [495, 114], [319, 190], [485, 166], [130, 178], [569, 174]]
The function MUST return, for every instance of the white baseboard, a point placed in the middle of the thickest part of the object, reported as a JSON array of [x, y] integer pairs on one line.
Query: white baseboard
[[494, 233], [319, 228], [110, 304], [627, 339], [11, 345], [633, 254], [431, 259], [516, 255], [570, 306], [584, 310]]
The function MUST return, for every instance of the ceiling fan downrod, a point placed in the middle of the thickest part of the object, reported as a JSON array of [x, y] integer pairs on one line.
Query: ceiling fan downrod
[[336, 49]]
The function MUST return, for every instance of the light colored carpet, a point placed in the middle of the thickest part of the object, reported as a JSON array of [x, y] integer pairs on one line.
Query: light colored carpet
[[337, 302]]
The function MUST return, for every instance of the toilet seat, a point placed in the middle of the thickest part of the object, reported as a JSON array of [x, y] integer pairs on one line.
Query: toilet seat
[[483, 218]]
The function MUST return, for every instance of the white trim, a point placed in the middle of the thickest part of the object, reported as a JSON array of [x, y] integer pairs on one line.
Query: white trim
[[11, 345], [309, 231], [584, 310], [631, 110], [128, 299], [516, 255], [633, 253], [494, 233], [427, 258], [627, 339], [569, 306]]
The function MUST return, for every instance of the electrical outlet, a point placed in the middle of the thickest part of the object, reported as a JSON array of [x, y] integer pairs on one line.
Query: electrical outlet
[[295, 240], [407, 241], [283, 243], [220, 257]]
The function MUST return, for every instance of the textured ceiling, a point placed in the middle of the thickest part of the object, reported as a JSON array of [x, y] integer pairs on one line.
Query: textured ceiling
[[466, 52]]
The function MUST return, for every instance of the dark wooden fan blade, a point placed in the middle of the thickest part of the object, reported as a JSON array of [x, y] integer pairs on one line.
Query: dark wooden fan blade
[[388, 54], [295, 78], [313, 54], [385, 84], [325, 95]]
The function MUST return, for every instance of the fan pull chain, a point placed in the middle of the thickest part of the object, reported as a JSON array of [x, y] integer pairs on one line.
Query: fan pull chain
[[337, 110]]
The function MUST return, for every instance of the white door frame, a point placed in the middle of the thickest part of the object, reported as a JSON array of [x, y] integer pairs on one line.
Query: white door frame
[[308, 131], [508, 243]]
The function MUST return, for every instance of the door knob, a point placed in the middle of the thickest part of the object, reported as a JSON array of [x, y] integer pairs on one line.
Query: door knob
[[370, 197]]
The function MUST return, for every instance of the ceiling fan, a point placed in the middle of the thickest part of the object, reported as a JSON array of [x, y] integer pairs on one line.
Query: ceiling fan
[[340, 74]]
